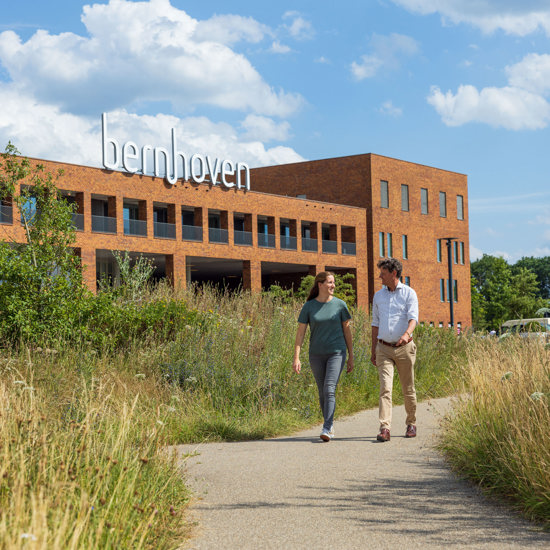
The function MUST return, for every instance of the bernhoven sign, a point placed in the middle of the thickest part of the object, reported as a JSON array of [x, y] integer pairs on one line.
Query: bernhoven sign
[[171, 163]]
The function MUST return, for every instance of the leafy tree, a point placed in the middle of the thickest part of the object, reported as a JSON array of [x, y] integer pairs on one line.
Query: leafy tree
[[343, 288], [38, 278], [479, 307], [541, 267], [524, 288]]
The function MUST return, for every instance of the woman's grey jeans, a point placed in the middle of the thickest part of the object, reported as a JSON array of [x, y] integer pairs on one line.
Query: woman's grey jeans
[[326, 371]]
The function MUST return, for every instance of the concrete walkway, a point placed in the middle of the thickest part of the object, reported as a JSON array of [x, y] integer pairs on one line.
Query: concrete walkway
[[352, 493]]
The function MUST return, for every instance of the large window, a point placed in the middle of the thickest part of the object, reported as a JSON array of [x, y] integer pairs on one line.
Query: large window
[[424, 201], [443, 204], [462, 253], [438, 250], [455, 251], [384, 195], [381, 244], [405, 248], [390, 245], [405, 198], [460, 207], [442, 289]]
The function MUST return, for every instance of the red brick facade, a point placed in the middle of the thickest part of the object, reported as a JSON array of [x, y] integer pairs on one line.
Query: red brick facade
[[269, 234], [356, 181]]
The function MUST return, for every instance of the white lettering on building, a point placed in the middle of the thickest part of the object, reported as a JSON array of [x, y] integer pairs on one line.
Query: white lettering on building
[[173, 164]]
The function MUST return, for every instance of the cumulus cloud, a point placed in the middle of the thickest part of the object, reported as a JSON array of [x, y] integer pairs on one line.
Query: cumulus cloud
[[522, 104], [298, 27], [134, 55], [277, 47], [511, 16], [144, 51], [388, 108], [386, 53], [475, 253]]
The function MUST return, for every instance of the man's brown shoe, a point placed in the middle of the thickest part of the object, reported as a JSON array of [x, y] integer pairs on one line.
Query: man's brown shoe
[[411, 431], [384, 435]]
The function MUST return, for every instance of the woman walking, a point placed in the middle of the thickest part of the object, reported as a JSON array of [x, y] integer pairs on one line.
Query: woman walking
[[328, 318]]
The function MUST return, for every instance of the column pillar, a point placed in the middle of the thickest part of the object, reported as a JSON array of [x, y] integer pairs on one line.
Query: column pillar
[[176, 270], [252, 275], [88, 263]]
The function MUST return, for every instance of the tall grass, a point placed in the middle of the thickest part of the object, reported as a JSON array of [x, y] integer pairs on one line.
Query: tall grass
[[498, 435], [83, 424]]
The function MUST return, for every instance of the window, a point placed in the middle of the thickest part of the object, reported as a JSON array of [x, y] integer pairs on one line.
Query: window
[[460, 207], [455, 290], [390, 247], [462, 253], [442, 289], [381, 243], [424, 201], [405, 248], [408, 281], [405, 198], [443, 204], [384, 196], [455, 252], [438, 250]]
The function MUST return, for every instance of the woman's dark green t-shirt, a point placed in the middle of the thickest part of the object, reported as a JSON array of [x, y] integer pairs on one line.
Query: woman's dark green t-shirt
[[325, 322]]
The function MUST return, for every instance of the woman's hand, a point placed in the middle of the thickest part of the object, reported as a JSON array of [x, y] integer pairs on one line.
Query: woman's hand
[[350, 364], [297, 365]]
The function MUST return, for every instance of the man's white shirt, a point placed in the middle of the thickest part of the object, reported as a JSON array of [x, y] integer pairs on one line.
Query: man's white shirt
[[392, 311]]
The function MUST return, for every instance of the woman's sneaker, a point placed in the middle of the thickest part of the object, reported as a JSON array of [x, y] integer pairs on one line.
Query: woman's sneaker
[[327, 435]]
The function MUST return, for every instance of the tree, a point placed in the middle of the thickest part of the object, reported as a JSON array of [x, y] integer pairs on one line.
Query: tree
[[541, 267], [41, 277], [524, 300]]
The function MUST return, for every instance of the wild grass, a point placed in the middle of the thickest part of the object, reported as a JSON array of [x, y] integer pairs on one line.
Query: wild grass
[[498, 434], [83, 425]]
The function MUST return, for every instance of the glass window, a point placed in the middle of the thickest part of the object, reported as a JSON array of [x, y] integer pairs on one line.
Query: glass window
[[405, 248], [443, 204], [390, 247], [442, 289], [455, 251], [424, 201], [455, 291], [381, 244], [384, 196], [405, 198], [460, 207], [438, 250], [408, 281], [462, 253]]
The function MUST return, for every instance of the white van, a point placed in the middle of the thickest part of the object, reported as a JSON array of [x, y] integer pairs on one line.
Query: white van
[[527, 328]]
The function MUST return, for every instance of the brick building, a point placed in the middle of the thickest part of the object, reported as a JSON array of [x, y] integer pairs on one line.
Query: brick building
[[340, 214]]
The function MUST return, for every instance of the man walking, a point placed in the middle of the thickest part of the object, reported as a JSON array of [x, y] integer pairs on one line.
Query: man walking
[[394, 317]]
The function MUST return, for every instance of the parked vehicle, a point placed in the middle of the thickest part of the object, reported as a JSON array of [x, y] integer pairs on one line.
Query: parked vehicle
[[527, 328]]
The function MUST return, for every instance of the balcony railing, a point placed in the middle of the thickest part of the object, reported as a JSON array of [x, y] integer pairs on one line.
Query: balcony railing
[[78, 221], [348, 249], [289, 243], [243, 238], [103, 224], [191, 232], [330, 247], [164, 230], [309, 245], [265, 240], [217, 235], [6, 214], [135, 227]]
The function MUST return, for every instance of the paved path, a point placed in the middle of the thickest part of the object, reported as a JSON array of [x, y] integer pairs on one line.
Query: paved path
[[352, 493]]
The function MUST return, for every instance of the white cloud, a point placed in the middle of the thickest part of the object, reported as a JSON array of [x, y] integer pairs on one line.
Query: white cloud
[[386, 53], [388, 108], [512, 16], [322, 60], [475, 253], [143, 51], [531, 73], [265, 129], [230, 29], [277, 47], [299, 28]]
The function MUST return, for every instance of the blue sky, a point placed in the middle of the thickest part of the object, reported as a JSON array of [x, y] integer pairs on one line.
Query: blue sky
[[462, 85]]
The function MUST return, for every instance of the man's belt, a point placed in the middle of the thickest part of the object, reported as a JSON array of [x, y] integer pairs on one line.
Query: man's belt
[[390, 344]]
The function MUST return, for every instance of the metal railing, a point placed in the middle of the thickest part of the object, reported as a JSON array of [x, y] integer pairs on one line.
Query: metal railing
[[242, 237], [289, 243], [309, 245], [103, 224], [78, 221], [329, 247], [164, 230], [6, 214], [217, 235], [135, 227], [266, 240], [348, 249], [191, 232]]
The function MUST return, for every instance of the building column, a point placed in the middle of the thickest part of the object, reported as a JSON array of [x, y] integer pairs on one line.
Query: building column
[[314, 269], [88, 263], [176, 270], [252, 275]]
